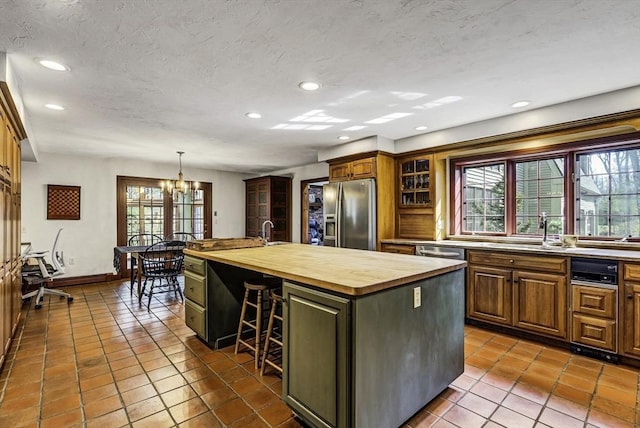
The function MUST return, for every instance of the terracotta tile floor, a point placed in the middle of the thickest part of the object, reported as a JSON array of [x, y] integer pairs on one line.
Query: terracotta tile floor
[[104, 361]]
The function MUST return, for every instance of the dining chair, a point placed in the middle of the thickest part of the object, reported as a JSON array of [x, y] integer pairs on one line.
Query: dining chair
[[135, 241], [181, 236], [162, 264]]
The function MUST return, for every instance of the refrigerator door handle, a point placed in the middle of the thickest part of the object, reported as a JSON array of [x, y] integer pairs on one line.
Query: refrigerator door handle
[[339, 215]]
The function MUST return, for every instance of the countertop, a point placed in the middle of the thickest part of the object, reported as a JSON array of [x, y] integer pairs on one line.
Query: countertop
[[340, 270], [530, 248]]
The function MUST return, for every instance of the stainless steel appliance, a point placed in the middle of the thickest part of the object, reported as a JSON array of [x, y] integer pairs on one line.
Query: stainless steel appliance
[[594, 274], [453, 253], [350, 214]]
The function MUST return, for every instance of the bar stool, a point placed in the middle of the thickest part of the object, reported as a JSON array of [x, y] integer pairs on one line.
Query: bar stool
[[258, 286], [274, 337]]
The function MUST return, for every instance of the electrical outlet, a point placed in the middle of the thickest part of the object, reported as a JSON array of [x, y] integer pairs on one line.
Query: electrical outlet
[[72, 260], [417, 298]]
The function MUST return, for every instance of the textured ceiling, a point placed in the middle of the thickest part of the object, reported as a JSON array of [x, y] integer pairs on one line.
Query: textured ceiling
[[149, 77]]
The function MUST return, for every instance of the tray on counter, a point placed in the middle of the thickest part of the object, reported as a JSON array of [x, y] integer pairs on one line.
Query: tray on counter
[[215, 244]]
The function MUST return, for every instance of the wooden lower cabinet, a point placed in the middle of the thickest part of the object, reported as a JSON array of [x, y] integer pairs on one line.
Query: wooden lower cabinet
[[500, 293], [5, 321], [489, 294], [594, 316], [630, 311], [540, 303], [398, 248], [594, 331]]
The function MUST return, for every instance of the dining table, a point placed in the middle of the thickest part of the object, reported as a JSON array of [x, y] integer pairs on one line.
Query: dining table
[[137, 251]]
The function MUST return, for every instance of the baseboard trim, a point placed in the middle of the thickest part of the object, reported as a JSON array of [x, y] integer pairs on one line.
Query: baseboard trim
[[85, 279]]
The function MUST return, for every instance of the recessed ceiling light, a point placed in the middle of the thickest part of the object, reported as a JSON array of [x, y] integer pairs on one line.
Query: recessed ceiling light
[[343, 137], [54, 106], [253, 115], [309, 86], [420, 128], [520, 104], [52, 65]]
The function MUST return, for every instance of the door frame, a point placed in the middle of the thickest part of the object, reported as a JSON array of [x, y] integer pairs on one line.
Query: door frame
[[304, 206]]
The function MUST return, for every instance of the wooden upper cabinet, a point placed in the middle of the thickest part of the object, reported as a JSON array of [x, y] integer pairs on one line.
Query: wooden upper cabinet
[[353, 170], [269, 198], [415, 181], [415, 197], [380, 166], [4, 134]]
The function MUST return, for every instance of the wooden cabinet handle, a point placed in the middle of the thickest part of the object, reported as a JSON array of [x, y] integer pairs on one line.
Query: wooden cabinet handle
[[630, 296]]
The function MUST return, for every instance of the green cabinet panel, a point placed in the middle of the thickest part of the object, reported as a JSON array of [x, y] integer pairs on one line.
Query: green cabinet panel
[[195, 288], [316, 358], [195, 317]]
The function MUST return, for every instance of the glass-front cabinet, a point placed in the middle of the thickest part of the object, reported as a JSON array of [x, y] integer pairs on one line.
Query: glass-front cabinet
[[415, 182]]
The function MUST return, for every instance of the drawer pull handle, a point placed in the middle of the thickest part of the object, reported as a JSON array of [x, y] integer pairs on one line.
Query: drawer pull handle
[[511, 261], [630, 296]]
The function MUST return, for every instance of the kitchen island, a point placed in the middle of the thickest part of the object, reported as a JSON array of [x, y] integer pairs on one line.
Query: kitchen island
[[369, 337]]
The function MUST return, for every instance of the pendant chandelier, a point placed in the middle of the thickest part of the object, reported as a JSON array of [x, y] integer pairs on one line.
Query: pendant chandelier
[[179, 186]]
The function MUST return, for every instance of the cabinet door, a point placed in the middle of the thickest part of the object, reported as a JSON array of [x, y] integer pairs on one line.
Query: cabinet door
[[363, 168], [16, 298], [340, 172], [4, 318], [540, 303], [252, 227], [600, 302], [489, 294], [631, 319], [593, 331], [315, 364]]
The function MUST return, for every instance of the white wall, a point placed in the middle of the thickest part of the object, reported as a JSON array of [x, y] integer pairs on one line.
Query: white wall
[[90, 240], [299, 174], [597, 105]]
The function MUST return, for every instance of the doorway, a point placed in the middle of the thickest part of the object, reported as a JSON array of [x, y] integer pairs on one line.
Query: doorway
[[312, 218]]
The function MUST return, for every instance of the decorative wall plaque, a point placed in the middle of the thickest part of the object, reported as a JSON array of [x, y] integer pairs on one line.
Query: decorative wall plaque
[[63, 202]]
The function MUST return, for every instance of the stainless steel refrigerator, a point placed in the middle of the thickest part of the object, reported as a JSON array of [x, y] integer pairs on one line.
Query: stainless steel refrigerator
[[350, 214]]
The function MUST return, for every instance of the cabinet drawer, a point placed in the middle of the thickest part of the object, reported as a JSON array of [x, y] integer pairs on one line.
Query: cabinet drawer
[[195, 288], [195, 265], [631, 272], [541, 263], [398, 248], [596, 332], [600, 302], [195, 318]]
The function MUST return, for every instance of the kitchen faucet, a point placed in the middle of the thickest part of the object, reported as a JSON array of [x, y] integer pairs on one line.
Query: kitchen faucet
[[543, 226], [264, 231]]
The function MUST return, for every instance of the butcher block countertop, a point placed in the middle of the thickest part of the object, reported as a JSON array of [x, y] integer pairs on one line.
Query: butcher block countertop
[[339, 270]]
